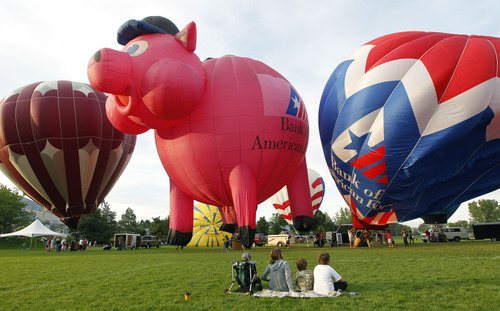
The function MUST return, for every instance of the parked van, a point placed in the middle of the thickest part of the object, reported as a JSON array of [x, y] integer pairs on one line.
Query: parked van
[[455, 233], [447, 234]]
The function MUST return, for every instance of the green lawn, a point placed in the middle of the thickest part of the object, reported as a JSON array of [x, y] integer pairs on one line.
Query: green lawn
[[444, 276]]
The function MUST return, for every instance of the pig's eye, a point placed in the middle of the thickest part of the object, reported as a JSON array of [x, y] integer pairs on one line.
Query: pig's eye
[[137, 48]]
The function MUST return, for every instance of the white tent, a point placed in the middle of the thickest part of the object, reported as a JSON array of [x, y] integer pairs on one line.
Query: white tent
[[35, 229]]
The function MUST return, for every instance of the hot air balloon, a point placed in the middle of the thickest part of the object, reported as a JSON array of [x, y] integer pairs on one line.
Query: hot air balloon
[[230, 131], [58, 147], [409, 125], [281, 202], [206, 223]]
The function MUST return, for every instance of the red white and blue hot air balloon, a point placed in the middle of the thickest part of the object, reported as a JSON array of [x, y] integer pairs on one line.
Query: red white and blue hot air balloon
[[281, 201], [410, 123]]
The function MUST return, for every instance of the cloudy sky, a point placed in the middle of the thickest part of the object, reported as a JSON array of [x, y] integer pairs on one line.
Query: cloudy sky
[[303, 40]]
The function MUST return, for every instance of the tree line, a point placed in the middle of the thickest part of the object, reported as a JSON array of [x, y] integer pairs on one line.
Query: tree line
[[103, 224]]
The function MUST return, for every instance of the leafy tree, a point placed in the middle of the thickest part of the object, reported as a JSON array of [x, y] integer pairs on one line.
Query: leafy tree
[[277, 224], [128, 222], [262, 226], [93, 227], [461, 223], [329, 224], [323, 222], [422, 227], [396, 228], [99, 226], [344, 216], [143, 227], [109, 215], [12, 213], [159, 227], [484, 211]]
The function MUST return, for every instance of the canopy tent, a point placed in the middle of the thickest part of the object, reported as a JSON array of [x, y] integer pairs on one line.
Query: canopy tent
[[35, 229]]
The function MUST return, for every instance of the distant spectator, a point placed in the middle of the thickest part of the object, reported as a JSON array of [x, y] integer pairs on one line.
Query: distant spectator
[[367, 237], [436, 234], [405, 236], [63, 245], [58, 245], [351, 237], [389, 238], [52, 244], [121, 240]]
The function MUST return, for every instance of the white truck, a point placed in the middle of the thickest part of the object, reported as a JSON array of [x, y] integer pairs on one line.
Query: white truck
[[450, 233]]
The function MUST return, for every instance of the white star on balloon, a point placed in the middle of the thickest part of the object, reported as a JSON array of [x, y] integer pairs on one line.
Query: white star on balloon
[[296, 102]]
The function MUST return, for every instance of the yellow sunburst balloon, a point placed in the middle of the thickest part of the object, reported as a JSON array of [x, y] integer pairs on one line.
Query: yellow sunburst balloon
[[206, 223]]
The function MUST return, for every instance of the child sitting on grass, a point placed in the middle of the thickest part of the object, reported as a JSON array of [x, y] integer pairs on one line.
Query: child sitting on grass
[[326, 279], [303, 277]]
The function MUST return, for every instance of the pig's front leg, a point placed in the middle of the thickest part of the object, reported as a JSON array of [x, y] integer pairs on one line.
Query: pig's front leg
[[244, 191], [181, 217], [300, 199]]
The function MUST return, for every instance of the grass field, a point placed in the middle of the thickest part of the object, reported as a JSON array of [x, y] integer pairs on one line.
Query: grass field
[[444, 276]]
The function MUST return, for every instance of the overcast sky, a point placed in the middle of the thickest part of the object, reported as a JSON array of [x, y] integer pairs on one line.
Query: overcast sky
[[303, 40]]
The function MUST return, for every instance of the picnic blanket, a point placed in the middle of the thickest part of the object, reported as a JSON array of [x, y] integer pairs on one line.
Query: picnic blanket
[[304, 294]]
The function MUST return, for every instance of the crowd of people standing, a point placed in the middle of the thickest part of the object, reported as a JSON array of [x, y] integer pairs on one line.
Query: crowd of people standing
[[377, 237], [62, 244]]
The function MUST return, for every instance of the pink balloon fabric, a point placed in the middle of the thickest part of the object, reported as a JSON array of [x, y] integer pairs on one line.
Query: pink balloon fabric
[[230, 131]]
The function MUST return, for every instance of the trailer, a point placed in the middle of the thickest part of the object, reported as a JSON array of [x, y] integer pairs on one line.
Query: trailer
[[489, 230], [278, 240], [131, 240], [342, 234]]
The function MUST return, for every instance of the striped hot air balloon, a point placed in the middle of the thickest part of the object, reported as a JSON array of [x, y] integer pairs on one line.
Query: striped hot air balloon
[[281, 202], [59, 148], [410, 123]]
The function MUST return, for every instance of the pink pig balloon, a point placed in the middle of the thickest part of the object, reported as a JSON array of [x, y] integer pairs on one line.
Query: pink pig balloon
[[230, 131]]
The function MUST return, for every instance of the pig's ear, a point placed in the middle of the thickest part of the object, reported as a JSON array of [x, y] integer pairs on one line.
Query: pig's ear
[[187, 37]]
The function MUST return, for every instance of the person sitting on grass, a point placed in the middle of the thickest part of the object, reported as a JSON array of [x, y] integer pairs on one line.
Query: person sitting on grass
[[247, 274], [304, 279], [326, 279], [278, 272]]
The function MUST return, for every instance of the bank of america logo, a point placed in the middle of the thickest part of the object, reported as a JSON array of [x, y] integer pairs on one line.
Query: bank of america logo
[[296, 106]]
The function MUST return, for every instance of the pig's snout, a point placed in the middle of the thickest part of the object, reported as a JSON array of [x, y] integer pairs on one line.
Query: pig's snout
[[109, 71]]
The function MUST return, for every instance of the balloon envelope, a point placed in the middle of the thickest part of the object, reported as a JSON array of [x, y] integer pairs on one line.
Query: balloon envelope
[[206, 223], [409, 125], [281, 201], [57, 145]]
